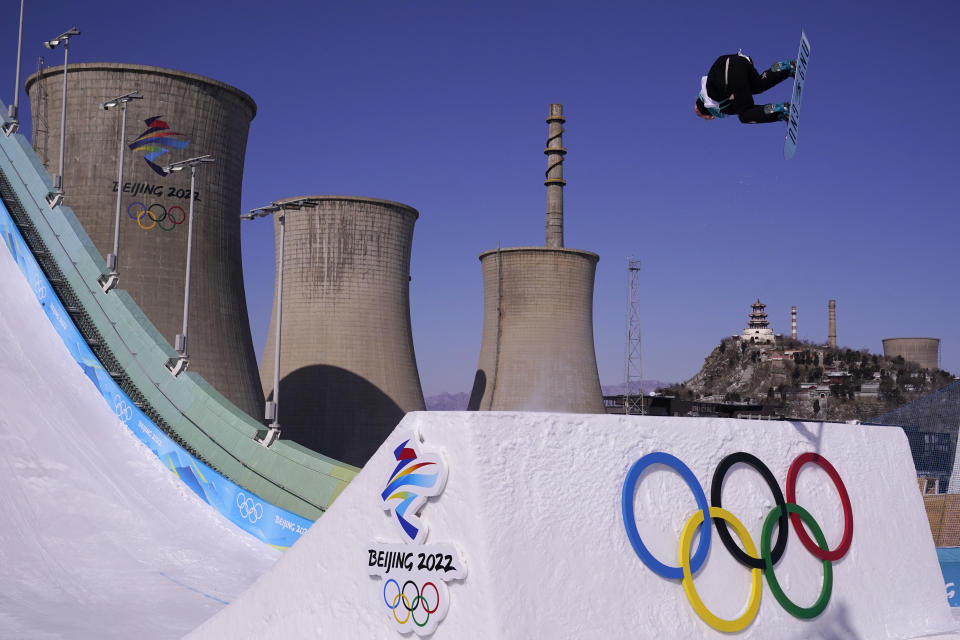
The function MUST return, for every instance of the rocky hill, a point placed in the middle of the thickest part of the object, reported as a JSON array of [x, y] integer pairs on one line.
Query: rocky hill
[[807, 381]]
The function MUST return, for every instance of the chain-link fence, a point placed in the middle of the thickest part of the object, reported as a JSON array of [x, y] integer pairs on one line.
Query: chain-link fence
[[931, 424]]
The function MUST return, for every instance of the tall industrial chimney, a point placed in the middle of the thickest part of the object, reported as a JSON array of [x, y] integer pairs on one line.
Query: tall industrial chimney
[[832, 329], [537, 351], [555, 182], [793, 322]]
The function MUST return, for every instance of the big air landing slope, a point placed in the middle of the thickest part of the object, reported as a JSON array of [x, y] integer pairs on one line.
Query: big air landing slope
[[522, 525], [97, 538]]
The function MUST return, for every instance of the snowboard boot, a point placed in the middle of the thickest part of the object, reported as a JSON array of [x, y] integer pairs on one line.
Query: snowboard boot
[[785, 65], [781, 109]]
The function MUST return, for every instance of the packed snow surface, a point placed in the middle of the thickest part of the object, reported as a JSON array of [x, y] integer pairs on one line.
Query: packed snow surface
[[98, 539]]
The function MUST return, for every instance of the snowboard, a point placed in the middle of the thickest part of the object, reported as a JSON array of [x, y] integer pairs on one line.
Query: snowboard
[[793, 124]]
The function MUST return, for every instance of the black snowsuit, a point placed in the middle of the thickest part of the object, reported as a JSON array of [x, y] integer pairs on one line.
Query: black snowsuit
[[740, 80]]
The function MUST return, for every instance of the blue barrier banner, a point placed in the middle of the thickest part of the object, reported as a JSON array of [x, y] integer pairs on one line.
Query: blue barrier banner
[[268, 522], [950, 566]]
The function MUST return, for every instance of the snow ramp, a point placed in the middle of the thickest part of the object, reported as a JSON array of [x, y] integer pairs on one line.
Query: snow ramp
[[501, 525], [98, 539], [200, 435], [109, 465]]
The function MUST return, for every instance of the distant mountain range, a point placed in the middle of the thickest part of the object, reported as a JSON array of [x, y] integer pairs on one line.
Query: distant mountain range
[[458, 401], [448, 402], [645, 385]]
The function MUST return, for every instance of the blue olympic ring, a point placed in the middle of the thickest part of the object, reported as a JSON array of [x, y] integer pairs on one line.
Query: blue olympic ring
[[391, 606], [630, 485]]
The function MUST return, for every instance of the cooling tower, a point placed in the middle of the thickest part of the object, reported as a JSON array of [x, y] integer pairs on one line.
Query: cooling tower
[[832, 324], [537, 351], [181, 115], [921, 351], [348, 372]]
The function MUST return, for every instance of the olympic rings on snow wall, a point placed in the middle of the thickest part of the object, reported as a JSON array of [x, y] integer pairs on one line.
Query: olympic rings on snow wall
[[272, 524], [760, 564], [414, 608]]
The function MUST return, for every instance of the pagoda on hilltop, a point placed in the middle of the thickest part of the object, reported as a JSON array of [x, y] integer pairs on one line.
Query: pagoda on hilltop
[[758, 327]]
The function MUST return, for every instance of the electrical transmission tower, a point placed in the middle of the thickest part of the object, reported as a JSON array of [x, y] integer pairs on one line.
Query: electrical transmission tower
[[633, 404]]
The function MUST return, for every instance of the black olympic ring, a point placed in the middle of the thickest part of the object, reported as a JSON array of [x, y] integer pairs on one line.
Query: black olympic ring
[[716, 490]]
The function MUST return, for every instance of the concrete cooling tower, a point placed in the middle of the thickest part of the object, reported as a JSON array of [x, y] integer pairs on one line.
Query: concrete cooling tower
[[180, 116], [921, 351], [537, 351], [348, 372]]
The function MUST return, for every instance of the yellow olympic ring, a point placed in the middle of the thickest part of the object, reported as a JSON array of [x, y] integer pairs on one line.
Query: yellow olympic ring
[[407, 607], [756, 588], [151, 219]]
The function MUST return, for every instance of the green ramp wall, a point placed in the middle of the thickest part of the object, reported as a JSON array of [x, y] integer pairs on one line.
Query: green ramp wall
[[134, 354]]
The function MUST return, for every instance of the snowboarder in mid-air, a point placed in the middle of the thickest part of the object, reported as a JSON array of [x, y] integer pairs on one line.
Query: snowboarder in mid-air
[[729, 87]]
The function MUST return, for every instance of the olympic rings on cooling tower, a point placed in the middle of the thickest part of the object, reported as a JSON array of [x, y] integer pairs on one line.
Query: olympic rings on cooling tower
[[155, 216], [411, 605], [784, 510]]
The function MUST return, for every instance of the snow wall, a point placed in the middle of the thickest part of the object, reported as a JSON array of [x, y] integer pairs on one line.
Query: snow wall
[[522, 533], [269, 523], [98, 540]]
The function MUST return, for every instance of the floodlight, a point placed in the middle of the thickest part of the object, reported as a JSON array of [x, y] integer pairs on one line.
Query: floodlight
[[54, 198], [63, 37], [189, 162], [110, 104]]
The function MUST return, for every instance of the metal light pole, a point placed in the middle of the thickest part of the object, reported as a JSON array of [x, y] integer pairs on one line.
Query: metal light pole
[[179, 365], [271, 410], [13, 124], [55, 197], [109, 281]]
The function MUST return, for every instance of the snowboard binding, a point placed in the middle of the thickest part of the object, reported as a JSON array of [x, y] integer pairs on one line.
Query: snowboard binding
[[785, 65], [781, 109]]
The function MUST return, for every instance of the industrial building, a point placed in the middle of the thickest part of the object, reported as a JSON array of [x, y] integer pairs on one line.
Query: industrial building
[[181, 115], [537, 351], [348, 372], [924, 352]]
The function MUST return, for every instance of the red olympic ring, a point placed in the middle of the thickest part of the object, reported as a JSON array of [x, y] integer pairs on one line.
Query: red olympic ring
[[810, 545], [183, 214], [436, 591]]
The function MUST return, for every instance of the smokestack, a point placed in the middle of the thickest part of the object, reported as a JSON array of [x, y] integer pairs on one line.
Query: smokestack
[[832, 330], [555, 181], [537, 350], [793, 322]]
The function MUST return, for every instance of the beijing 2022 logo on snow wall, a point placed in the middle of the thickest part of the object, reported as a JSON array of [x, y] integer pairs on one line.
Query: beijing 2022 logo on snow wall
[[415, 574], [758, 564]]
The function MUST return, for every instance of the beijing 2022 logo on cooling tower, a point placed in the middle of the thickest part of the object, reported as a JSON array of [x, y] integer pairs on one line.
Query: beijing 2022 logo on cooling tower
[[158, 140], [757, 563], [415, 574]]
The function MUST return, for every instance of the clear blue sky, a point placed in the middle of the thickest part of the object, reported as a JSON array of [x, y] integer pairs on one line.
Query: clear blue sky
[[441, 105]]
